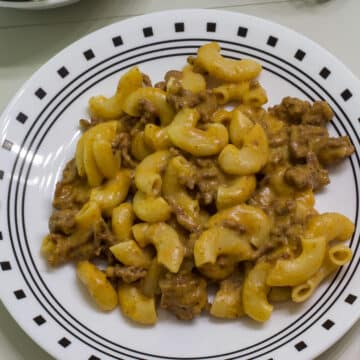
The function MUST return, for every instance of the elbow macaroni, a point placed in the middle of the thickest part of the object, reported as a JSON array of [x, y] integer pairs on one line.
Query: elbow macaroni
[[139, 149], [92, 164], [221, 241], [156, 97], [136, 306], [244, 92], [339, 254], [192, 81], [210, 59], [156, 137], [130, 254], [223, 268], [331, 226], [235, 191], [111, 108], [170, 250], [188, 214], [148, 172], [255, 291], [254, 223], [122, 219], [150, 208], [295, 271], [184, 134], [250, 158], [98, 286], [228, 299], [113, 193], [303, 291], [182, 184]]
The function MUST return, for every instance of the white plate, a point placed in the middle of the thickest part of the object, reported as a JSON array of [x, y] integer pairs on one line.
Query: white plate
[[36, 5], [39, 130]]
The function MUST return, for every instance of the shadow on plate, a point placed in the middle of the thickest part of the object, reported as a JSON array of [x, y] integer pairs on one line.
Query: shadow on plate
[[19, 344]]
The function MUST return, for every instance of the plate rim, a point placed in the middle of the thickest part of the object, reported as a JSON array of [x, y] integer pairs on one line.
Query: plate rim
[[41, 5], [290, 31]]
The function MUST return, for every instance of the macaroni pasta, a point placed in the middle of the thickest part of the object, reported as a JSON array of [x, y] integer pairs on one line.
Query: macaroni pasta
[[172, 191]]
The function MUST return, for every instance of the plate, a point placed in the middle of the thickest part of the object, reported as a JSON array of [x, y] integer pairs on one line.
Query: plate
[[36, 5], [39, 130]]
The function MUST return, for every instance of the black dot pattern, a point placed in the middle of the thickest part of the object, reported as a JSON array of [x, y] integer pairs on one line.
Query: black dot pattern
[[117, 40], [211, 27], [93, 357], [1, 174], [328, 324], [89, 54], [325, 72], [63, 72], [148, 31], [346, 94], [272, 41], [350, 299], [300, 346], [179, 27], [64, 342], [39, 320], [7, 145], [21, 117], [242, 31], [1, 236], [40, 93], [19, 294], [5, 266], [300, 55]]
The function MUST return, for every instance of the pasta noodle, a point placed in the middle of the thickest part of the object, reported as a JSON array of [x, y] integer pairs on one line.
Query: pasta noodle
[[173, 191]]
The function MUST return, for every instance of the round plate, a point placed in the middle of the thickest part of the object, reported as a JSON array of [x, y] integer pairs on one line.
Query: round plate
[[39, 130], [36, 5]]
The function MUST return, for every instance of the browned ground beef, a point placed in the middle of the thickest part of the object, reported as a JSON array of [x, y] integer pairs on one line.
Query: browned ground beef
[[319, 114], [63, 221], [305, 139], [66, 250], [103, 235], [128, 274], [71, 192], [70, 172], [303, 144], [182, 217], [146, 80], [185, 295], [207, 180], [147, 110], [172, 74], [335, 150], [207, 106], [181, 98], [308, 176], [296, 111], [77, 246], [122, 142], [204, 102]]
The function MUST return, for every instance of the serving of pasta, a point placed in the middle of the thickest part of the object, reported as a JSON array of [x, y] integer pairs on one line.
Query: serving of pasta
[[192, 183]]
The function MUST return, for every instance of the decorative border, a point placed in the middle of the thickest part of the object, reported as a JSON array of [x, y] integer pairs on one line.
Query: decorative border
[[297, 346], [118, 41]]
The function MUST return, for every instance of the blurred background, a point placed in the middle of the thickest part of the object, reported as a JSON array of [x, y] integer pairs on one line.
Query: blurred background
[[29, 38]]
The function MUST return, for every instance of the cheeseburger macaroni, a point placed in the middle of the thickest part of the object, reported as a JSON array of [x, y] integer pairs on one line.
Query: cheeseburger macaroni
[[192, 182]]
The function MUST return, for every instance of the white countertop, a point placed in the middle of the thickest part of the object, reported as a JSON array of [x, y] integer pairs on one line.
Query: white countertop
[[29, 38]]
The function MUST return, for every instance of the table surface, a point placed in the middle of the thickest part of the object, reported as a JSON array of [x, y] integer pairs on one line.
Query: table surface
[[29, 38]]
